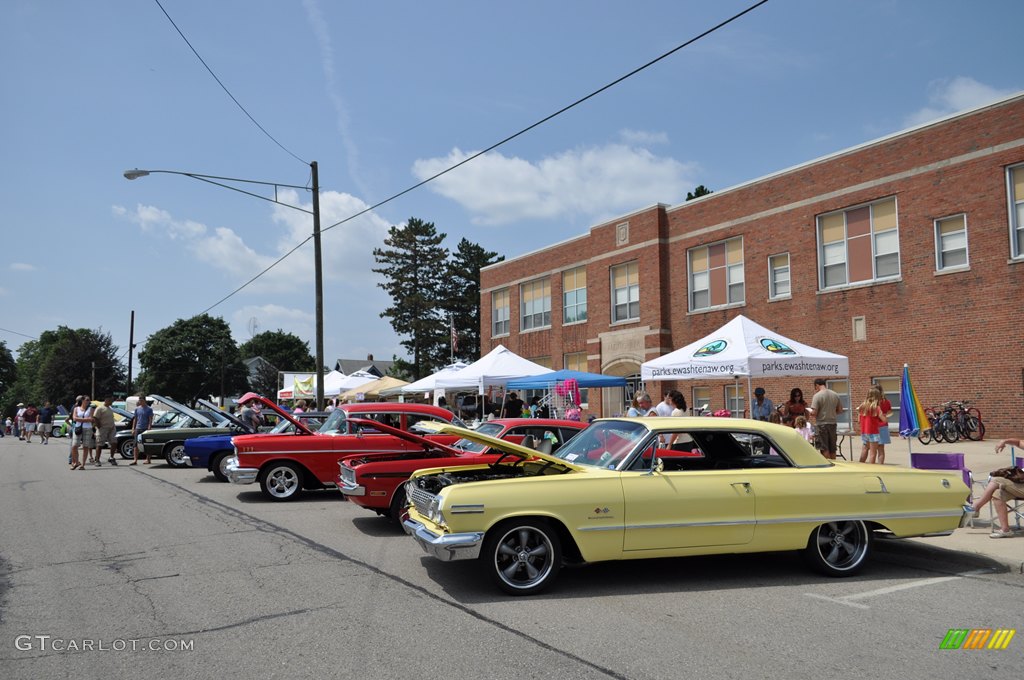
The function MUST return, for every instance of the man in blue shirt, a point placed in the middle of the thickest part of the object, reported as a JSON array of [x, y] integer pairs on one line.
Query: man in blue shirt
[[761, 408], [143, 421]]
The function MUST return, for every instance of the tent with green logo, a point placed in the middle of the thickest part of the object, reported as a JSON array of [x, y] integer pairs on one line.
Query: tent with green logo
[[745, 348]]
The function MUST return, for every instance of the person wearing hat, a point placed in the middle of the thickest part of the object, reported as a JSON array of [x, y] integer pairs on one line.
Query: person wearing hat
[[761, 408]]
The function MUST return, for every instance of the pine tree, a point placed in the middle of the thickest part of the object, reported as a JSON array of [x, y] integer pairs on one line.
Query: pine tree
[[413, 265], [462, 295]]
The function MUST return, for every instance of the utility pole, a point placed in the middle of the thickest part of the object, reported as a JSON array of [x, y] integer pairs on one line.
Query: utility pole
[[131, 351], [93, 390], [319, 290]]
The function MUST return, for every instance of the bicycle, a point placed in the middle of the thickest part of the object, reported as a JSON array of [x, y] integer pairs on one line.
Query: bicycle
[[968, 424]]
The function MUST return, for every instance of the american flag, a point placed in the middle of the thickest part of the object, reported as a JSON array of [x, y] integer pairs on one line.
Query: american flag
[[455, 336]]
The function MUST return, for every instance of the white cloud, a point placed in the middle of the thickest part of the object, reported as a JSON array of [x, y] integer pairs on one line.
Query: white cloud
[[347, 249], [946, 97], [588, 182], [22, 267], [643, 137]]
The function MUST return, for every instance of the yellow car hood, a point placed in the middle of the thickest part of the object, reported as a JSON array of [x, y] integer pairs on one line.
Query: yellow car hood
[[496, 445]]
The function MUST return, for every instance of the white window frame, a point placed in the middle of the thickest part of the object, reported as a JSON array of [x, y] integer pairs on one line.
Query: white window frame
[[775, 278], [736, 399], [893, 396], [535, 313], [846, 417], [700, 398], [632, 292], [941, 250], [700, 282], [497, 319], [843, 258], [577, 304], [1015, 205]]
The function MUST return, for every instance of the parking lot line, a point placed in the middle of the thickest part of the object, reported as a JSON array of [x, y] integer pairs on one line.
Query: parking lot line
[[851, 600]]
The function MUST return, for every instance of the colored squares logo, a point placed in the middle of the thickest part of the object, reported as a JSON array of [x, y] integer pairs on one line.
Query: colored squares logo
[[977, 638]]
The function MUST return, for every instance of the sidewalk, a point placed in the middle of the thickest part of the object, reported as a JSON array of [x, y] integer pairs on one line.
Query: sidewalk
[[980, 458]]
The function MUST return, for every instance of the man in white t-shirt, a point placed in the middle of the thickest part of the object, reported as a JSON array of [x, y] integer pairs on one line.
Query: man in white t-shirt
[[665, 406]]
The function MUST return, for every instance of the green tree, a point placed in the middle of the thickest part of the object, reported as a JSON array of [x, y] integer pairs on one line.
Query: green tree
[[67, 362], [8, 376], [282, 351], [413, 264], [192, 358], [701, 190], [462, 295]]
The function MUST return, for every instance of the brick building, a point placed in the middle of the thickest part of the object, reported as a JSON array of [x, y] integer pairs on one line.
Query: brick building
[[908, 249]]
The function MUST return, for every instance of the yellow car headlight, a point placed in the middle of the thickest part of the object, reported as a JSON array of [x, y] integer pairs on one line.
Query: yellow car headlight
[[435, 512]]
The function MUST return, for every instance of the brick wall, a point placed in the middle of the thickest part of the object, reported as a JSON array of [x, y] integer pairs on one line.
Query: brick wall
[[960, 332]]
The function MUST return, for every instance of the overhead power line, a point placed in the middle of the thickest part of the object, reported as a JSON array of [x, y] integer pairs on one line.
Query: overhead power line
[[540, 122], [224, 87]]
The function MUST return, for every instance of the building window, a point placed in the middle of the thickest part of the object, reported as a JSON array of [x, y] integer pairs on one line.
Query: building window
[[778, 276], [1015, 182], [716, 274], [577, 361], [735, 399], [701, 399], [625, 292], [574, 295], [842, 388], [500, 311], [535, 302], [858, 245], [951, 242], [891, 390]]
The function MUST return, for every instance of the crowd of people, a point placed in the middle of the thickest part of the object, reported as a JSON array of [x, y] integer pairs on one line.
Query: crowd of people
[[825, 408]]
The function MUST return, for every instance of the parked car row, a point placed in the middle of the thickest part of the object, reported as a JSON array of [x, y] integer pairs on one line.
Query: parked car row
[[524, 497]]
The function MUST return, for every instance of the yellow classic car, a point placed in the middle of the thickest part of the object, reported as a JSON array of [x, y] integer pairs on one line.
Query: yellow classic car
[[631, 488]]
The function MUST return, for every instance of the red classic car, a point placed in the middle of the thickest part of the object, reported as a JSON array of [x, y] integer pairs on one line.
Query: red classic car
[[286, 464], [376, 480]]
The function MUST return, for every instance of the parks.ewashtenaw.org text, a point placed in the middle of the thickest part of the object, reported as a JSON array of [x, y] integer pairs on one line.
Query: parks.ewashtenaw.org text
[[780, 368]]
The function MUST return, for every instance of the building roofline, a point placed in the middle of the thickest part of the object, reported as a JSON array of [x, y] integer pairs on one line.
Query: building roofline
[[774, 175], [855, 149], [605, 223]]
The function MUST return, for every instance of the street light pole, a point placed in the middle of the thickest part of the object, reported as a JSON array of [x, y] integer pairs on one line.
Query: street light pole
[[318, 263]]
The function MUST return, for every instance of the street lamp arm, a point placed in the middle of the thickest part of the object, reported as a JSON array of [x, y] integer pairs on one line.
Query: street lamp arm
[[317, 255], [210, 179]]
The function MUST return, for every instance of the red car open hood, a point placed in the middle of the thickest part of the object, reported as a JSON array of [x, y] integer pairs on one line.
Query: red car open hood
[[299, 425]]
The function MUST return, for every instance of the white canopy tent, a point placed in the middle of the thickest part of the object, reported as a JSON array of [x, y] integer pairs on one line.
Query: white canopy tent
[[348, 382], [424, 385], [335, 383], [429, 383], [494, 369], [744, 348]]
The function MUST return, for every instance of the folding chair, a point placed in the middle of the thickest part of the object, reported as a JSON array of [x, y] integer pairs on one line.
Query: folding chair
[[945, 461]]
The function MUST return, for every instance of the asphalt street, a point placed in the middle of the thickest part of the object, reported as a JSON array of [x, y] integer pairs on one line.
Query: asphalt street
[[149, 572]]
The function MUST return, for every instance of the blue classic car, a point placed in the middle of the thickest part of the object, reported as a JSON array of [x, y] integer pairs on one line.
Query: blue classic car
[[213, 451]]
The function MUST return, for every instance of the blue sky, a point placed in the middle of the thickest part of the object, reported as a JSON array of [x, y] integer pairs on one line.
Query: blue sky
[[384, 94]]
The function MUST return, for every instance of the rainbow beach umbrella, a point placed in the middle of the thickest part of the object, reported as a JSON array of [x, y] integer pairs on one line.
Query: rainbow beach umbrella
[[912, 416]]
